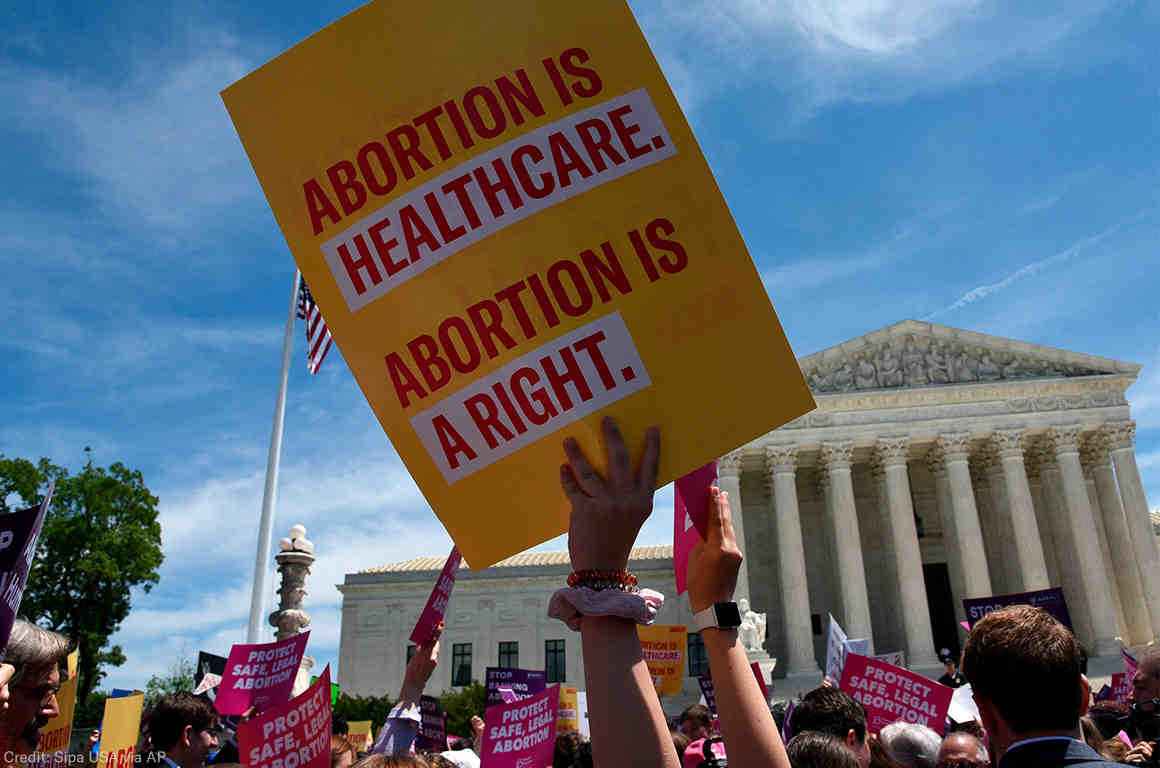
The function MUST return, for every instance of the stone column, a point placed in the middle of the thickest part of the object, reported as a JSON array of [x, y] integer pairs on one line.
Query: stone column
[[781, 464], [1125, 571], [1122, 435], [1003, 530], [1087, 460], [294, 558], [1069, 573], [1046, 533], [1093, 577], [1028, 547], [843, 518], [729, 480], [942, 492], [968, 534], [991, 543], [892, 453]]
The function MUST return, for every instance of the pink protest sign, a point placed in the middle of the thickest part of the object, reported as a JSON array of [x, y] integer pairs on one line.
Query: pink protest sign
[[890, 693], [437, 603], [690, 516], [260, 675], [292, 733], [1121, 687], [521, 734]]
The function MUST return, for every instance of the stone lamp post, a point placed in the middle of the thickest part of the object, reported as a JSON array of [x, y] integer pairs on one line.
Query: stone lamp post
[[294, 558]]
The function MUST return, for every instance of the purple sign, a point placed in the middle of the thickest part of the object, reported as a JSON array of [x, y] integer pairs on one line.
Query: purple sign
[[18, 534], [1050, 600], [522, 683], [710, 695], [432, 726]]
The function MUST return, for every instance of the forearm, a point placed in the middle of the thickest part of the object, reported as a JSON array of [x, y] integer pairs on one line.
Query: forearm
[[625, 717], [750, 733]]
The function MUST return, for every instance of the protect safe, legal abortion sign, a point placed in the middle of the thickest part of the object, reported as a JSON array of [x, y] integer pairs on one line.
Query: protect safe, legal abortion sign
[[511, 231]]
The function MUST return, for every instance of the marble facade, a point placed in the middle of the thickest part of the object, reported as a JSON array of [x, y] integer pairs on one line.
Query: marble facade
[[939, 464]]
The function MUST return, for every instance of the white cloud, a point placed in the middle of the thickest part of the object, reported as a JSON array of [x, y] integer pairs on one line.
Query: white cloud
[[1030, 270], [158, 145], [825, 51]]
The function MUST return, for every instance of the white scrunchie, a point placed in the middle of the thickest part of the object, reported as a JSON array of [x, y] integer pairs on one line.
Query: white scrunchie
[[570, 604]]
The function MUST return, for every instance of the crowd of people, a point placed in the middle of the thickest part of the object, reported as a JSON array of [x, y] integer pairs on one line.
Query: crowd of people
[[1035, 706]]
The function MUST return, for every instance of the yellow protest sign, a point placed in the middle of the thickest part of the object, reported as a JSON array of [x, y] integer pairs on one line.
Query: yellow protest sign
[[120, 727], [663, 646], [511, 231], [55, 735], [568, 716], [359, 733]]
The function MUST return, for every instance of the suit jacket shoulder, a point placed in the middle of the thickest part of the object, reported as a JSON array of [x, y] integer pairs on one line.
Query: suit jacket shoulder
[[1057, 752]]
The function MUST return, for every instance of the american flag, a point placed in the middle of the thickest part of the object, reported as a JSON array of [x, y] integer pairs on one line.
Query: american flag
[[317, 334]]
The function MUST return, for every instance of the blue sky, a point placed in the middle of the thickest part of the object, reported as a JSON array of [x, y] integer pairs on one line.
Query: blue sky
[[959, 160]]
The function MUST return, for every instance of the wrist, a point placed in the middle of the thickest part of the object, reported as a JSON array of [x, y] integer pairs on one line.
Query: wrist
[[411, 691]]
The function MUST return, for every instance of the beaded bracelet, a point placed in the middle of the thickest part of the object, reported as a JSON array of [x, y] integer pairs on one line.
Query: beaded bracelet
[[598, 580]]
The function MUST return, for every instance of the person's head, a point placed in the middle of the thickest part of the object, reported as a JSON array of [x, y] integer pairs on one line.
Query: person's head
[[948, 660], [1146, 681], [812, 749], [1024, 671], [342, 751], [37, 655], [910, 744], [439, 761], [1114, 750], [184, 727], [830, 711], [962, 750], [695, 722], [567, 745], [339, 726]]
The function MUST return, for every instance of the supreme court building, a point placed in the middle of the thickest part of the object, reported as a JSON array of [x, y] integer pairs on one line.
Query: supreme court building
[[939, 464]]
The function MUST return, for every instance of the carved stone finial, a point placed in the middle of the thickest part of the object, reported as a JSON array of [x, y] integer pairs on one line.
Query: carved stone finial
[[1121, 434], [1065, 439], [294, 561], [781, 458], [893, 451], [729, 465], [837, 455]]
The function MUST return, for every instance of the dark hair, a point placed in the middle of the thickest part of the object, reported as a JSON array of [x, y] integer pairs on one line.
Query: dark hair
[[680, 743], [1028, 665], [813, 749], [698, 713], [567, 747], [170, 715], [830, 711], [338, 726]]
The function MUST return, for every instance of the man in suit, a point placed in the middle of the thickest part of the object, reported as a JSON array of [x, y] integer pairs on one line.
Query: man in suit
[[1024, 669]]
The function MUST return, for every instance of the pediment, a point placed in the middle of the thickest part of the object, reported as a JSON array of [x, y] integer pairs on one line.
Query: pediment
[[918, 354]]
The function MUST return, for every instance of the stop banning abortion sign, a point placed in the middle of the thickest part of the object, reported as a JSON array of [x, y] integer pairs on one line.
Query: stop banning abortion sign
[[513, 243], [890, 693], [521, 734], [260, 675]]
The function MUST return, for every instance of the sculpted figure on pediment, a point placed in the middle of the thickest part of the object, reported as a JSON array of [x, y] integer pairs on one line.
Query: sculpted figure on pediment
[[966, 367], [988, 370], [865, 377], [820, 380], [913, 361], [889, 366], [844, 377], [1014, 368], [937, 365]]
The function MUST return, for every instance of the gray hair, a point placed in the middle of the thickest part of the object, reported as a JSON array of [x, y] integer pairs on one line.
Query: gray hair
[[33, 648], [981, 755], [913, 745]]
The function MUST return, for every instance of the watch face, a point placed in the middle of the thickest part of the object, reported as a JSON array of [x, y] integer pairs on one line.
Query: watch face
[[727, 614]]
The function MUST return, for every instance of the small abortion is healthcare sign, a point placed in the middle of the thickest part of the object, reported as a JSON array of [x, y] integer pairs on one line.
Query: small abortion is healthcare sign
[[511, 231], [521, 734], [260, 675], [663, 646], [890, 693], [120, 730], [294, 734]]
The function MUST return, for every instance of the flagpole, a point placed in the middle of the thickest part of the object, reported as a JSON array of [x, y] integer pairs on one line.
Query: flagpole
[[270, 494]]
